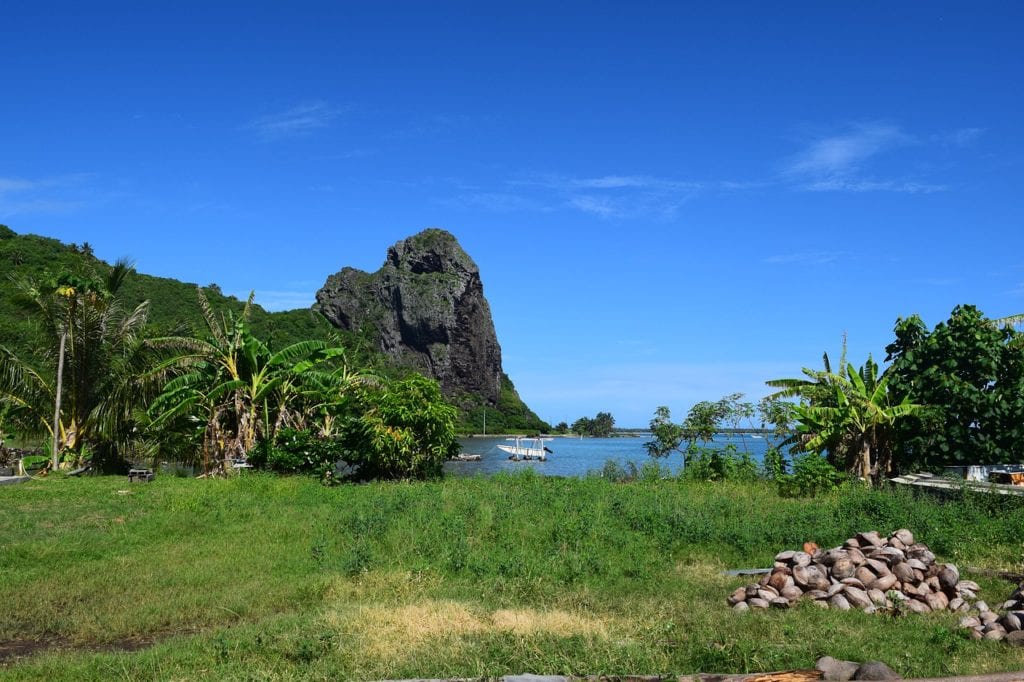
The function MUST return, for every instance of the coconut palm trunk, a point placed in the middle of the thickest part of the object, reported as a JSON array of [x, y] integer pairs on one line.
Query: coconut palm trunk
[[56, 407]]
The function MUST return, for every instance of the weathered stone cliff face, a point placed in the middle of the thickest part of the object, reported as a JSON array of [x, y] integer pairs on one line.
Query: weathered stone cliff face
[[427, 306]]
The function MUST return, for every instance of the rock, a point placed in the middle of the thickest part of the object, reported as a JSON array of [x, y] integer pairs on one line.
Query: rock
[[890, 555], [835, 670], [949, 576], [741, 607], [816, 594], [767, 594], [820, 603], [916, 564], [1009, 604], [996, 634], [865, 575], [738, 595], [883, 583], [897, 543], [962, 585], [955, 604], [427, 310], [843, 568], [856, 597], [801, 559], [751, 591], [937, 601], [969, 622], [835, 588], [981, 606], [904, 536], [1015, 638], [784, 556], [792, 593], [856, 556], [903, 571], [871, 538], [875, 670], [757, 603], [879, 568], [1011, 621], [838, 601], [988, 617], [877, 597], [918, 606], [834, 555], [778, 578], [801, 575], [779, 603], [853, 582]]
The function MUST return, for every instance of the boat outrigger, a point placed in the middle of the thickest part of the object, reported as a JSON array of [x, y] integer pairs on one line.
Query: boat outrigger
[[526, 448]]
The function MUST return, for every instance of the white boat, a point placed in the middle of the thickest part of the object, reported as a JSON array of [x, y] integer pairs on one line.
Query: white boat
[[526, 448]]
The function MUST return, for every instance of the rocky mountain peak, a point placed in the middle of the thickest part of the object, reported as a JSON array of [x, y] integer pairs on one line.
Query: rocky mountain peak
[[427, 307]]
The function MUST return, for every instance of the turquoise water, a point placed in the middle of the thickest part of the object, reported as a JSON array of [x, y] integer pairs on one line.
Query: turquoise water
[[575, 457]]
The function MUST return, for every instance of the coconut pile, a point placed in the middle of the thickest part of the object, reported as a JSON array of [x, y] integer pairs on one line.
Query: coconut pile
[[990, 625], [867, 572]]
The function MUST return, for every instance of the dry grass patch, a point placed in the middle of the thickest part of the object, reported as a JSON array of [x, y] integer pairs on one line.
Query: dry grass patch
[[381, 631]]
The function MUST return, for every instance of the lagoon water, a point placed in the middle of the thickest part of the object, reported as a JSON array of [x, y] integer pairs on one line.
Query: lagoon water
[[576, 457]]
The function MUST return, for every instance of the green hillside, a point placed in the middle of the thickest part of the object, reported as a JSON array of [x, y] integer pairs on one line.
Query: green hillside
[[174, 307]]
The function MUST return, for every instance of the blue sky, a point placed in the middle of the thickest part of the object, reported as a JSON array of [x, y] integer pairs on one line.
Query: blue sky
[[668, 201]]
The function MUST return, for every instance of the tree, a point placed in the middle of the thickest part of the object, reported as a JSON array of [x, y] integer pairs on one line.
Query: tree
[[702, 422], [399, 430], [600, 426], [969, 370], [237, 391], [857, 431], [89, 388]]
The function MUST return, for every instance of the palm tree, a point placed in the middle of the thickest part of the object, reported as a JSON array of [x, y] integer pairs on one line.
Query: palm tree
[[89, 339], [239, 392], [856, 428]]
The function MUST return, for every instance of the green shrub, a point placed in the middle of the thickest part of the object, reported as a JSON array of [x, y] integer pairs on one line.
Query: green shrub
[[812, 475], [774, 464], [298, 452], [400, 430], [719, 464]]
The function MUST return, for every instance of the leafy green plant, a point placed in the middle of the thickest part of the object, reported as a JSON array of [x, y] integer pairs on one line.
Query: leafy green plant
[[719, 464], [399, 430], [812, 475], [298, 451], [774, 464]]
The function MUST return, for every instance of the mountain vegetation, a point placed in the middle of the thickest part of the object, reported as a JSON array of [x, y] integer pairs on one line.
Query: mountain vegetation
[[153, 368]]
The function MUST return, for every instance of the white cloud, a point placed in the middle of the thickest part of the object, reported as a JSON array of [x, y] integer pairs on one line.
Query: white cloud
[[11, 185], [58, 194], [595, 205], [964, 136], [297, 121], [844, 153], [805, 258], [859, 185]]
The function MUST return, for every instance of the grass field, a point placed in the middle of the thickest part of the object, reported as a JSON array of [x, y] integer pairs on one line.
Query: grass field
[[280, 578]]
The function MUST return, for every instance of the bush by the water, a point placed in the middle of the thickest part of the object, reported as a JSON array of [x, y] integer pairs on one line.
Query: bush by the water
[[296, 451]]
